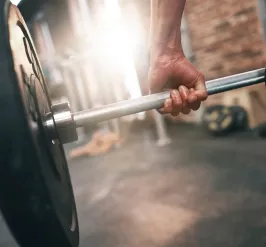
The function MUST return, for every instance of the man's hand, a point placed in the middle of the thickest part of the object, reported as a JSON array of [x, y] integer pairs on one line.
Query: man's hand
[[169, 69], [174, 72]]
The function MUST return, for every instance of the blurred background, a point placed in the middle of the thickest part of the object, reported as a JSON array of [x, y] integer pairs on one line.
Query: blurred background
[[152, 180]]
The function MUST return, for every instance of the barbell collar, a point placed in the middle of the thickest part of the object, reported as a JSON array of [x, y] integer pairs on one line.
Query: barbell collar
[[65, 127]]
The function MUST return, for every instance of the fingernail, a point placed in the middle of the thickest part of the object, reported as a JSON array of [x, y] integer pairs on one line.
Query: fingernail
[[181, 88], [175, 93], [168, 103]]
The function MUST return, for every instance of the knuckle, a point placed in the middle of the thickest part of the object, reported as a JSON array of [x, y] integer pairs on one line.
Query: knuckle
[[204, 95], [176, 98], [201, 77], [197, 78]]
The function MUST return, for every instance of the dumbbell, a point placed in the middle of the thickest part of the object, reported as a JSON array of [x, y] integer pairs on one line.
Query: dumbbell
[[36, 195]]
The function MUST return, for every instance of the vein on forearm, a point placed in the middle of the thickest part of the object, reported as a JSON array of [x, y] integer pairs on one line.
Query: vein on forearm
[[166, 16]]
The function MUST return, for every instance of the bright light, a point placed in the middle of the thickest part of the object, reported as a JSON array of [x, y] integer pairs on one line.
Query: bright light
[[112, 10], [15, 2], [117, 44]]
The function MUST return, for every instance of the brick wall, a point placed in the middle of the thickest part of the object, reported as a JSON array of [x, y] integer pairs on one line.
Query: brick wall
[[226, 36]]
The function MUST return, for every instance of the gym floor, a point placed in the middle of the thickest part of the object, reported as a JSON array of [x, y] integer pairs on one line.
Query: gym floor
[[199, 191]]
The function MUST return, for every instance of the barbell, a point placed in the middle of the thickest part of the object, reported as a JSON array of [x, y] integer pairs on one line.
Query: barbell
[[67, 122], [36, 195]]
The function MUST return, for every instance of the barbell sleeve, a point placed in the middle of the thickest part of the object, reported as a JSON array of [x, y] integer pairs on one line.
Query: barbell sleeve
[[156, 101]]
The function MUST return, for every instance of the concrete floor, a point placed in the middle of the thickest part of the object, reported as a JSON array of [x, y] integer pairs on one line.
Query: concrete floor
[[199, 191]]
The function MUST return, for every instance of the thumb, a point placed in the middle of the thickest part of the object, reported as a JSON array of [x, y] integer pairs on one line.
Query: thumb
[[200, 92]]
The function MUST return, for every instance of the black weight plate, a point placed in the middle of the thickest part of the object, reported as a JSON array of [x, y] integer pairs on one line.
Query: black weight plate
[[36, 196], [240, 118], [260, 131], [218, 119]]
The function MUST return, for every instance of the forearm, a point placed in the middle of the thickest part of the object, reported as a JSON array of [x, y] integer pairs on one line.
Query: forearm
[[165, 34]]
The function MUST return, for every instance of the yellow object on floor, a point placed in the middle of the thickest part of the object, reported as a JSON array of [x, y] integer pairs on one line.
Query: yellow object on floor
[[101, 143]]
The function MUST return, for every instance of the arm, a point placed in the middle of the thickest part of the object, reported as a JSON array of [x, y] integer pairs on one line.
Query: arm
[[169, 69], [165, 36]]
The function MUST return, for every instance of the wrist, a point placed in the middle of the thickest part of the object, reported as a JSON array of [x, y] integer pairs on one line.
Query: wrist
[[161, 55]]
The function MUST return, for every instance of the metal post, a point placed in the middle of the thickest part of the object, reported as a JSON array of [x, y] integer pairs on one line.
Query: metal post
[[163, 138]]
